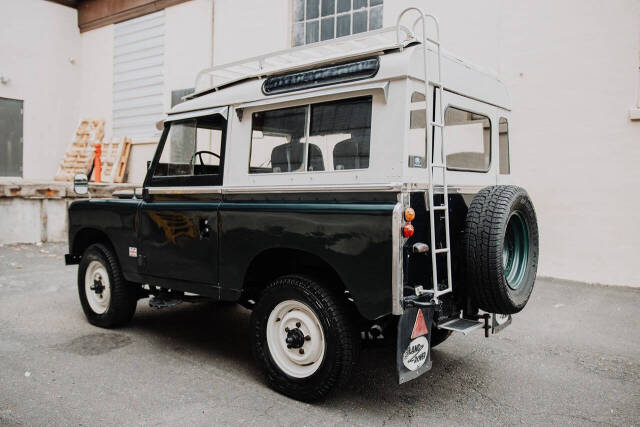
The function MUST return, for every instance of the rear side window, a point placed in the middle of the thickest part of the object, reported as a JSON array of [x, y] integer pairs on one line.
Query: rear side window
[[467, 138], [340, 133], [503, 146], [417, 125], [337, 137]]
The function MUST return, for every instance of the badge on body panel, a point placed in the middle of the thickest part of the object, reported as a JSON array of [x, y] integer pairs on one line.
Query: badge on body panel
[[416, 354]]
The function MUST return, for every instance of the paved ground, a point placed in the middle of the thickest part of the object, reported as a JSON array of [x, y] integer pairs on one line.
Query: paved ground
[[572, 357]]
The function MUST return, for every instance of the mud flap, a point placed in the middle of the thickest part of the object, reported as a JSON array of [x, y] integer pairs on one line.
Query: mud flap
[[413, 351]]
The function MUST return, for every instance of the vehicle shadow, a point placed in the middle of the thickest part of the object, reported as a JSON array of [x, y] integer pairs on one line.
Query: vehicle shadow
[[218, 335]]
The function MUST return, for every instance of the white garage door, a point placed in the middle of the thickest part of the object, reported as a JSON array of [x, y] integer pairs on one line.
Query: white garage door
[[138, 79]]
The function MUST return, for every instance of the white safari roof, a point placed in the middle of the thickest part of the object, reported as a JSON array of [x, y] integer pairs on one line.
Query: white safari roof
[[400, 53]]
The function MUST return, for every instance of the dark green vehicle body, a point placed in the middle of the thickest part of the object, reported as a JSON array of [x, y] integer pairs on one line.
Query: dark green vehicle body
[[349, 234], [248, 240]]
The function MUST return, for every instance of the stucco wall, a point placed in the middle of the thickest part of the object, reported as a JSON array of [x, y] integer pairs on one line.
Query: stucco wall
[[96, 72], [38, 41], [572, 71]]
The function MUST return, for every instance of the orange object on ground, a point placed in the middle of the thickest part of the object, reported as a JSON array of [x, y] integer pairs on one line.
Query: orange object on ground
[[97, 163]]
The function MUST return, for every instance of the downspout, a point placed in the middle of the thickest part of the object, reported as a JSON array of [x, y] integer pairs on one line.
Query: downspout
[[211, 41], [634, 113]]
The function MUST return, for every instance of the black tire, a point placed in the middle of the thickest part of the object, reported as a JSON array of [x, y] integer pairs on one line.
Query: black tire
[[491, 210], [341, 338], [123, 296], [438, 336]]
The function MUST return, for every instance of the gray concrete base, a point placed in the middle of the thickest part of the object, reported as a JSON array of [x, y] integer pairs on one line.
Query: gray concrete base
[[36, 211]]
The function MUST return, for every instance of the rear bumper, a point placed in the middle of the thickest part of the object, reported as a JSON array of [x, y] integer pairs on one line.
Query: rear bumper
[[71, 259]]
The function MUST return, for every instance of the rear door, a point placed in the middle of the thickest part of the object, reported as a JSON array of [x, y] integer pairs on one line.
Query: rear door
[[178, 220]]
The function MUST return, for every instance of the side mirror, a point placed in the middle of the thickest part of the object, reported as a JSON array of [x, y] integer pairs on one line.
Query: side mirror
[[81, 184]]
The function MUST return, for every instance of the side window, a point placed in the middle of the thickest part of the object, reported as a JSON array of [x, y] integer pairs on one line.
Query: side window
[[503, 146], [467, 139], [277, 140], [340, 134], [338, 137], [192, 147], [417, 126]]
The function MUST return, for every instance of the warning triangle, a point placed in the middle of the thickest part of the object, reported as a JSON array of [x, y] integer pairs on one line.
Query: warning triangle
[[420, 327]]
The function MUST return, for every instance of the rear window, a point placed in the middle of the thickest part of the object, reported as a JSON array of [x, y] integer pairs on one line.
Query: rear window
[[319, 137], [467, 140]]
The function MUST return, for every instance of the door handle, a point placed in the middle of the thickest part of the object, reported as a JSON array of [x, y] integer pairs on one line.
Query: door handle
[[203, 225]]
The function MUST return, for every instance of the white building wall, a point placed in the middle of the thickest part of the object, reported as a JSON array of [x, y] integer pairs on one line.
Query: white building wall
[[245, 28], [39, 54], [96, 83], [572, 71], [571, 68]]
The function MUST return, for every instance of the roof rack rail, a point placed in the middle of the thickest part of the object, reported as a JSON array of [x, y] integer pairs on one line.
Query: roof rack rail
[[343, 48]]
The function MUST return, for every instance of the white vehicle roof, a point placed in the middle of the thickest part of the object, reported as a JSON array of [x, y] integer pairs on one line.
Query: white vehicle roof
[[401, 57]]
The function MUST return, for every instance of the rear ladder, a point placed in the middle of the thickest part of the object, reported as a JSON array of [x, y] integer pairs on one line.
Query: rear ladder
[[432, 165]]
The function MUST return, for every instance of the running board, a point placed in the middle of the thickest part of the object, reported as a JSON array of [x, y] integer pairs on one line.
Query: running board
[[461, 325]]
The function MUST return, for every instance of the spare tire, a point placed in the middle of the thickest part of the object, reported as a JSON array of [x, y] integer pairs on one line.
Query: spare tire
[[501, 249]]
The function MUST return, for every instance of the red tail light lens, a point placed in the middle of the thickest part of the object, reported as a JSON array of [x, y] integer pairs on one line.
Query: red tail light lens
[[408, 230]]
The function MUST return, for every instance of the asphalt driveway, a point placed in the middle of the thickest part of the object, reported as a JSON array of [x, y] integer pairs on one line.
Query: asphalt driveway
[[572, 357]]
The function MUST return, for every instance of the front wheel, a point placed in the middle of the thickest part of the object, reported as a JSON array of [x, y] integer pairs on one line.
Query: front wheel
[[303, 338], [107, 299]]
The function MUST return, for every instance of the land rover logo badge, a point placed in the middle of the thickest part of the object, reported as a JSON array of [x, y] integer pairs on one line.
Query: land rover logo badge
[[416, 353]]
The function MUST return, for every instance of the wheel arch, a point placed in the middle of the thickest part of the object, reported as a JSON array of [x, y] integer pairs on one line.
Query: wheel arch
[[275, 262], [87, 237]]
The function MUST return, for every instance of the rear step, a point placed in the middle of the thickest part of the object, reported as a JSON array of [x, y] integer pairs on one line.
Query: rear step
[[461, 325]]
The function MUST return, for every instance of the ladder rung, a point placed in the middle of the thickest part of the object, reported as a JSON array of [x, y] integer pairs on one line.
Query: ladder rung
[[436, 42], [440, 208], [438, 165], [441, 250], [437, 124]]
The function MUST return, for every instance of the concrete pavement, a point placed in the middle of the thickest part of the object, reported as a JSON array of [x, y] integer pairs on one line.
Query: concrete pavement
[[572, 357]]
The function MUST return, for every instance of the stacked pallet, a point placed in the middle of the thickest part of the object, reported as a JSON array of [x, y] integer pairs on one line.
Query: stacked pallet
[[79, 155], [115, 155]]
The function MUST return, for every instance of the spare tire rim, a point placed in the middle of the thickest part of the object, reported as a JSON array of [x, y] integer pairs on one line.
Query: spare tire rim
[[515, 251], [295, 338]]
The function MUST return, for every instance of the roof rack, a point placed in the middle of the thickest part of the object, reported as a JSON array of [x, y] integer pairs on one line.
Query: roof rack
[[343, 48]]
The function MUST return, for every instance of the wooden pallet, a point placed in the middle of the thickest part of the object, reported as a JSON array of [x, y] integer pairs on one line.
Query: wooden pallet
[[79, 154], [115, 155]]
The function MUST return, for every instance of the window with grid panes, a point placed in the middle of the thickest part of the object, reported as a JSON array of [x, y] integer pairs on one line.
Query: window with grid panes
[[319, 20]]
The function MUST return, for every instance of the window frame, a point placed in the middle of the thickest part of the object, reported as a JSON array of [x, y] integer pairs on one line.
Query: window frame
[[305, 158], [500, 172], [334, 16], [185, 180], [470, 111]]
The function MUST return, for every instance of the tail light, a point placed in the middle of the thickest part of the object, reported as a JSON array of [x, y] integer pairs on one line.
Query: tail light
[[408, 230]]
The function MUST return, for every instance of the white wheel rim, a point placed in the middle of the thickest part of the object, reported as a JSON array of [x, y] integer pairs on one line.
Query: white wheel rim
[[297, 318], [97, 287]]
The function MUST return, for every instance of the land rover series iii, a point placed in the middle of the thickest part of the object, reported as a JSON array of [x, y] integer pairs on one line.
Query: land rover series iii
[[349, 188]]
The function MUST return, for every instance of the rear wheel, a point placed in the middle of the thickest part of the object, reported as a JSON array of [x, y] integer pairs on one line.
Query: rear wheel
[[303, 337], [107, 299]]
